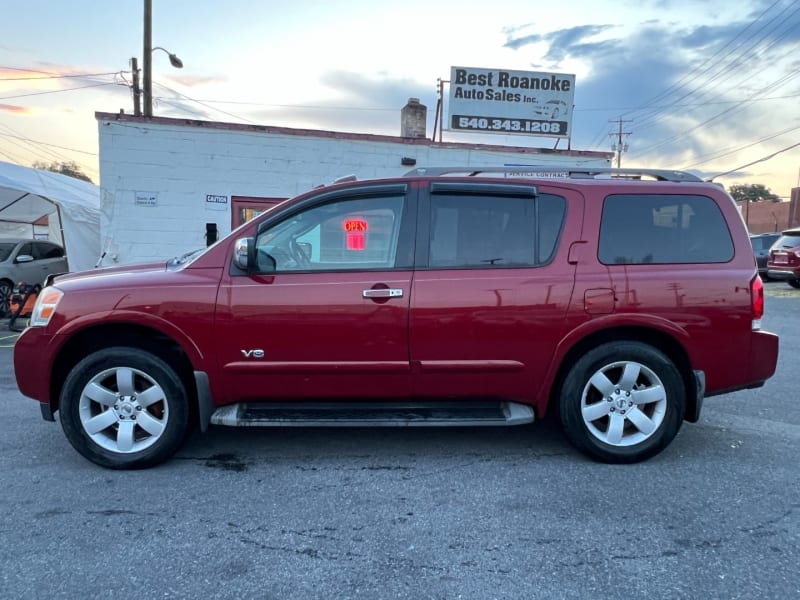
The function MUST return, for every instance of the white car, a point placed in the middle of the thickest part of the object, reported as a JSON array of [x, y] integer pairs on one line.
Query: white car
[[29, 261]]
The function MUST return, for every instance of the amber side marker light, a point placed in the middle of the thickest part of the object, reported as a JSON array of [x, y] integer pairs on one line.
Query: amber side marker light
[[45, 306]]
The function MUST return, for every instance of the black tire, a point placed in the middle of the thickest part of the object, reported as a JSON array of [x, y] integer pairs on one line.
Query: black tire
[[6, 289], [795, 283], [639, 410], [152, 417]]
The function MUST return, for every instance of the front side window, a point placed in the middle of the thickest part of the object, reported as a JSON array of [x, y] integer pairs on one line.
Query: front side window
[[662, 229], [26, 250], [470, 231], [352, 234]]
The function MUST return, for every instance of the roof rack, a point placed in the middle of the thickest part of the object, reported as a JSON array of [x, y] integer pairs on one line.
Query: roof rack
[[559, 172]]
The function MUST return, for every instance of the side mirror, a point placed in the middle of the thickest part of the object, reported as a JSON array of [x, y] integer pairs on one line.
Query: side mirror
[[244, 254], [250, 260], [23, 258]]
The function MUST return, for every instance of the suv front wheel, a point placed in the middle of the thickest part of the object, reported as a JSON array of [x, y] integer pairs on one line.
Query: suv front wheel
[[124, 408], [622, 402]]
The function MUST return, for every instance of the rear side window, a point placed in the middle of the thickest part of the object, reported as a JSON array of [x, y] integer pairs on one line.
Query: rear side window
[[470, 231], [662, 229]]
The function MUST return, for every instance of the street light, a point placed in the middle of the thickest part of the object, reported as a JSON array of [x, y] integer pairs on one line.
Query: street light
[[147, 67], [173, 60]]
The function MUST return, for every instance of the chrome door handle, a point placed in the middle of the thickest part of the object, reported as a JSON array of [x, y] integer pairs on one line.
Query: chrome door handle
[[385, 293]]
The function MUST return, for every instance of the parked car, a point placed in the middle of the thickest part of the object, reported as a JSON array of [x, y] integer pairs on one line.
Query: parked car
[[447, 297], [552, 109], [784, 258], [761, 243], [29, 261]]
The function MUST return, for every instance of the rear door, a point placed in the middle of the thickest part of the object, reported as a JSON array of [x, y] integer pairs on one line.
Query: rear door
[[491, 288], [327, 318], [50, 257]]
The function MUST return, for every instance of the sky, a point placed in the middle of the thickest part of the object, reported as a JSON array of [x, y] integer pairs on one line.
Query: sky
[[710, 86]]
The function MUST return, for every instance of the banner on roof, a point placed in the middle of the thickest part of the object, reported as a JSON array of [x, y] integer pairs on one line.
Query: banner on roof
[[518, 102]]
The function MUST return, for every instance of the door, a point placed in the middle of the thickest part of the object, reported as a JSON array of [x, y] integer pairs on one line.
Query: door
[[33, 271], [492, 289], [246, 208], [327, 317]]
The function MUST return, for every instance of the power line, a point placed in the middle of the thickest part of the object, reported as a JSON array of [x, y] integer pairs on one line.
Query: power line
[[687, 78], [184, 96], [744, 55], [19, 137], [731, 150], [82, 87], [762, 159], [46, 77], [742, 104]]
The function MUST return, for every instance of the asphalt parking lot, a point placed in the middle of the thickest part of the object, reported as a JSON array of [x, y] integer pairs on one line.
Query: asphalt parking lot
[[449, 513]]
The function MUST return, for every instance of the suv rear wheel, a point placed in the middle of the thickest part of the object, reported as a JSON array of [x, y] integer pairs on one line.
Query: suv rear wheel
[[622, 402], [124, 408]]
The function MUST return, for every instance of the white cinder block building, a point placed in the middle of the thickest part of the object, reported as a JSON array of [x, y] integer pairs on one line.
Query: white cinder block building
[[166, 182]]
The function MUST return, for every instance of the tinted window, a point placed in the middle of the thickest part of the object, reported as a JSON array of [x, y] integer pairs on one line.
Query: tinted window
[[788, 240], [26, 249], [48, 250], [659, 229], [493, 231], [344, 235]]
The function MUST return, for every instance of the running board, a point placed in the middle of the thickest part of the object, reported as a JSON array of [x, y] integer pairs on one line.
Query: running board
[[382, 414]]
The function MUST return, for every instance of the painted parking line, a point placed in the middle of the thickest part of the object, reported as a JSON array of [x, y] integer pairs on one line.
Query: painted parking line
[[7, 341]]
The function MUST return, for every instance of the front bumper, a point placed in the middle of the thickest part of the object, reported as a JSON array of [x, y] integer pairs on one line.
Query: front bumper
[[33, 353]]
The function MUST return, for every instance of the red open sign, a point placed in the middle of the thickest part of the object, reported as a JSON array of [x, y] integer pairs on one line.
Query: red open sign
[[351, 225], [355, 238]]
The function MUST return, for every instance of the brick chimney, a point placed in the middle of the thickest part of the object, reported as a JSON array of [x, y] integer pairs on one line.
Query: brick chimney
[[413, 119]]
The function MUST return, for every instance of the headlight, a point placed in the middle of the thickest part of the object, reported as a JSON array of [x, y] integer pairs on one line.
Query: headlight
[[45, 306]]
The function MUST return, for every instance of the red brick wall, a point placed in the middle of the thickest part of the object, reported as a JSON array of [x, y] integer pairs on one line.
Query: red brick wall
[[763, 217]]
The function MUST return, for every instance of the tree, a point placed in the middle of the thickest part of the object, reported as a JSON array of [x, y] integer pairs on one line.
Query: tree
[[70, 169], [752, 192]]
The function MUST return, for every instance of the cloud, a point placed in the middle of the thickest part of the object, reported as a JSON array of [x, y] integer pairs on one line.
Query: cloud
[[562, 39], [18, 110], [360, 104], [681, 91], [196, 80]]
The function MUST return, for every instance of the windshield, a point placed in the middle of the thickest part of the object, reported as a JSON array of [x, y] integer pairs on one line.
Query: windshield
[[5, 250]]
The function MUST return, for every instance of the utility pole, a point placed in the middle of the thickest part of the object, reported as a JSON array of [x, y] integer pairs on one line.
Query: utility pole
[[137, 93], [147, 58], [619, 147]]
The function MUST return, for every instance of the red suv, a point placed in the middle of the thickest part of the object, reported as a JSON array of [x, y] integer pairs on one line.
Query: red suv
[[618, 298], [784, 258]]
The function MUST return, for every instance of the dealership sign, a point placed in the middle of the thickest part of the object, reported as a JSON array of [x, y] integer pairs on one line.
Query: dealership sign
[[497, 101]]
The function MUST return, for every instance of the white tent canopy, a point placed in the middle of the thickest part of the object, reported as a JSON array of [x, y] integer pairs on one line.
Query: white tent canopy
[[71, 205]]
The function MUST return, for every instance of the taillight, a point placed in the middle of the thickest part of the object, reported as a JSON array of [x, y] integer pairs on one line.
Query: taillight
[[757, 300]]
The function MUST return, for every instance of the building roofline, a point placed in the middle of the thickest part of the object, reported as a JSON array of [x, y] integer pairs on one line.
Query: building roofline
[[340, 135]]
